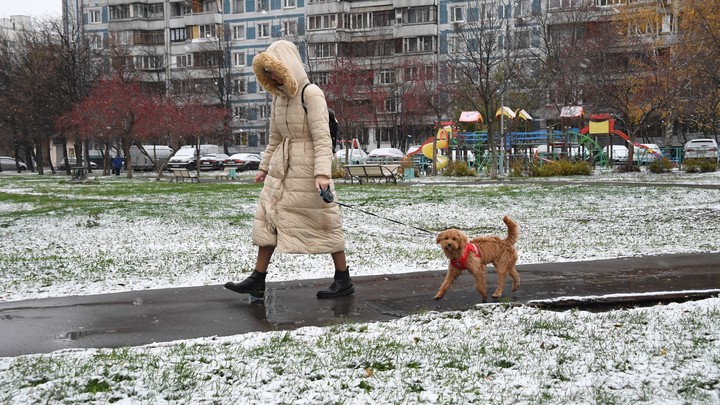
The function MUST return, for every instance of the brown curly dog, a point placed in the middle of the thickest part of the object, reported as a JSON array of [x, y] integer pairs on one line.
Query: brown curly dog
[[473, 255]]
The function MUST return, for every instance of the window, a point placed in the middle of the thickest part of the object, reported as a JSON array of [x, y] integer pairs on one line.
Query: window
[[238, 6], [239, 59], [263, 30], [182, 61], [207, 31], [321, 22], [178, 35], [262, 5], [417, 15], [418, 73], [289, 4], [386, 134], [391, 105], [121, 37], [238, 32], [149, 62], [120, 12], [320, 78], [418, 44], [94, 16], [522, 39], [383, 18], [457, 14], [150, 11], [456, 45], [239, 113], [322, 50], [386, 77], [96, 41], [536, 40], [501, 41], [264, 112], [289, 27], [536, 7], [571, 3], [239, 86], [504, 11]]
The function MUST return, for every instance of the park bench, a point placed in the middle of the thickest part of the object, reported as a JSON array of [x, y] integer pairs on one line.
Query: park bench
[[371, 172], [79, 173], [229, 173], [183, 175]]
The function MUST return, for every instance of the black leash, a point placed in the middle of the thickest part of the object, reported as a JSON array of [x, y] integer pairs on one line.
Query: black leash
[[328, 197]]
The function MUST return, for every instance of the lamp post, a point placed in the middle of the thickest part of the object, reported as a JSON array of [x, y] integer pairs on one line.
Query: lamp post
[[501, 168]]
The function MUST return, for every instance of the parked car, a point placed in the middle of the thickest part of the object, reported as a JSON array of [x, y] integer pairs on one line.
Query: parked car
[[355, 156], [213, 161], [244, 161], [73, 162], [701, 149], [7, 164], [646, 153], [184, 158], [385, 155], [617, 154]]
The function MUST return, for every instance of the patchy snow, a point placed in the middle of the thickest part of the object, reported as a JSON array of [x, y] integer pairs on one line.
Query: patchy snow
[[492, 354]]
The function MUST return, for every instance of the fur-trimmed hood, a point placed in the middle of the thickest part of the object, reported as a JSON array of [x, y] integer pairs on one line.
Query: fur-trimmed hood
[[283, 58]]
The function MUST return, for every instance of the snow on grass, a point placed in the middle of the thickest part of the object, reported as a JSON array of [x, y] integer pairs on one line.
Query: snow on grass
[[493, 354], [115, 234]]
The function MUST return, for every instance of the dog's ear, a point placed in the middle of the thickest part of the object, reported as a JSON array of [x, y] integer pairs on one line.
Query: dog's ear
[[439, 237]]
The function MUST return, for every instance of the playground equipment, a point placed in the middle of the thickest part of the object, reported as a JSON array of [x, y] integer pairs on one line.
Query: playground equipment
[[601, 124], [432, 144]]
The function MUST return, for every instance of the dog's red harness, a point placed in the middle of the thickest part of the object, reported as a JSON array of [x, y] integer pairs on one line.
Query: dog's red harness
[[461, 263]]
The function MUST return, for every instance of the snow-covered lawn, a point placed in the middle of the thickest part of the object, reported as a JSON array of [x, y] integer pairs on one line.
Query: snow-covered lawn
[[116, 234]]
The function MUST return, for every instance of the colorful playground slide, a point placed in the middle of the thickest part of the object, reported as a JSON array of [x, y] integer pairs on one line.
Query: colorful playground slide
[[607, 126], [442, 142]]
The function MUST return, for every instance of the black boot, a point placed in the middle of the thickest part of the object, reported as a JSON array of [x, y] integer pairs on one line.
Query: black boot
[[342, 285], [253, 285]]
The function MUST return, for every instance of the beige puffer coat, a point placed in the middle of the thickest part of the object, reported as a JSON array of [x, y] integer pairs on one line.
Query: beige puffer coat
[[291, 215]]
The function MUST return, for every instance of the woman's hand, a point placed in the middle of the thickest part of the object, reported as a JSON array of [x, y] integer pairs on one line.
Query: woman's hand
[[321, 182], [260, 176]]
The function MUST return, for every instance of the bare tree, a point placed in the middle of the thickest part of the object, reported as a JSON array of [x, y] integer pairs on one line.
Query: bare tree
[[485, 66]]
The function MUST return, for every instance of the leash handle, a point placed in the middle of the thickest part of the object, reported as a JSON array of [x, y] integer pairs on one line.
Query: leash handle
[[326, 194]]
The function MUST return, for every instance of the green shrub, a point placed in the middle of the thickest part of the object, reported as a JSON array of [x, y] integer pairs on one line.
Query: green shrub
[[564, 167], [700, 165], [459, 168], [660, 165]]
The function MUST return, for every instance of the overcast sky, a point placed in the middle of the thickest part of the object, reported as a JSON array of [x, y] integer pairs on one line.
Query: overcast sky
[[33, 8]]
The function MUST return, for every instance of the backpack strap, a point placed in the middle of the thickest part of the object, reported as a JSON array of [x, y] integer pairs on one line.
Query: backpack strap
[[302, 96]]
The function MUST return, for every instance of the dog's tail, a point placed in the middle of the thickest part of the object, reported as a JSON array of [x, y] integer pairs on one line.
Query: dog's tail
[[513, 230]]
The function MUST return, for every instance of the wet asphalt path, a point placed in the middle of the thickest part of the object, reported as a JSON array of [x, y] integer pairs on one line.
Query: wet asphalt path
[[142, 317]]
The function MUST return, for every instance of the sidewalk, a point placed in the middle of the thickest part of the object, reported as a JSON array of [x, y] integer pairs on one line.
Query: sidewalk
[[142, 317]]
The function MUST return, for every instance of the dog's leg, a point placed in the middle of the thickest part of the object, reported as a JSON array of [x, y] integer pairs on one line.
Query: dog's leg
[[452, 274], [516, 278], [480, 282], [501, 274]]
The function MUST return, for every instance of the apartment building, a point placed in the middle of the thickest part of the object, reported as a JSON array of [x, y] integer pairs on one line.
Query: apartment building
[[205, 48]]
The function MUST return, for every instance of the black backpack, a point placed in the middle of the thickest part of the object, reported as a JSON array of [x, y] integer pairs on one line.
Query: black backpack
[[331, 118]]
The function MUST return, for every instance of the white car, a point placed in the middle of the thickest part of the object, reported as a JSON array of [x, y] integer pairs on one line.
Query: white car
[[701, 149], [618, 153], [355, 156], [385, 155], [7, 164]]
